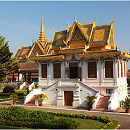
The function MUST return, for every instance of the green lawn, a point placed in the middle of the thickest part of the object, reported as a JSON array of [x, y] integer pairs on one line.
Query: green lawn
[[87, 123]]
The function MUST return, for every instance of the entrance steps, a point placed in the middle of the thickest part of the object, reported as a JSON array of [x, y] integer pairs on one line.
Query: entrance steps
[[25, 87], [102, 104], [31, 102]]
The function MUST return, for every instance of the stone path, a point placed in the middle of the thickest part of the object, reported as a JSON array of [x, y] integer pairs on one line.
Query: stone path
[[122, 117]]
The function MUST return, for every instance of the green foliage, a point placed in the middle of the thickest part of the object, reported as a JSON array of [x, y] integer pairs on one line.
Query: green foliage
[[36, 85], [128, 70], [41, 98], [8, 65], [20, 117], [18, 85], [8, 94], [126, 103], [14, 97], [89, 101], [8, 89]]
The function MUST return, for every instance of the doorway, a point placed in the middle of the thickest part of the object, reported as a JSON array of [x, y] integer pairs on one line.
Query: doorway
[[73, 69], [68, 98]]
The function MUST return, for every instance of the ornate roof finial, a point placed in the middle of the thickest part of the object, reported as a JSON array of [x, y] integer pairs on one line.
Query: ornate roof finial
[[53, 28], [126, 52], [95, 19], [116, 47], [21, 45], [75, 17], [35, 39], [18, 46], [113, 20], [67, 23]]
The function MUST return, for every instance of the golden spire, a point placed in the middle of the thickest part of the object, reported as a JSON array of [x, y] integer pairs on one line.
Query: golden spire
[[42, 38]]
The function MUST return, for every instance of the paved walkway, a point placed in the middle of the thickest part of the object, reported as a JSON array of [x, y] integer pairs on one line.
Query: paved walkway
[[122, 117]]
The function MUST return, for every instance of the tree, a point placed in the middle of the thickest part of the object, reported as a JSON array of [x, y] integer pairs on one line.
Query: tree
[[129, 70], [8, 65]]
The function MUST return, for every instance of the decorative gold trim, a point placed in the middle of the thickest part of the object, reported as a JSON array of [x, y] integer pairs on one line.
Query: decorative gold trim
[[43, 57]]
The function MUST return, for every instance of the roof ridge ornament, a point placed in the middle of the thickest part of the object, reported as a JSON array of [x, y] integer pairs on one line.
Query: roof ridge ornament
[[113, 20], [75, 17], [53, 28], [95, 19]]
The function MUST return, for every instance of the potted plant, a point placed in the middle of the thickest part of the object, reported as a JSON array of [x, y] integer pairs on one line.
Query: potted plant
[[126, 105], [41, 98], [36, 85], [14, 97], [89, 101]]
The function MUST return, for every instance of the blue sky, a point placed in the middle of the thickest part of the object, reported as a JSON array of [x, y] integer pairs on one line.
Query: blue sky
[[20, 20]]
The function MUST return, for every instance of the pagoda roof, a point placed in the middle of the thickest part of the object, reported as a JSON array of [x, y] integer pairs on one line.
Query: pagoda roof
[[28, 66], [22, 53], [95, 35]]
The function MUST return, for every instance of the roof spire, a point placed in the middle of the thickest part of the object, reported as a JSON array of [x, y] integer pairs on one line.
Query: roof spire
[[42, 38]]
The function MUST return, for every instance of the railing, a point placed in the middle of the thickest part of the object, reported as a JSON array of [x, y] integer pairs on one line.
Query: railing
[[31, 94], [95, 101], [113, 101], [31, 86], [21, 86]]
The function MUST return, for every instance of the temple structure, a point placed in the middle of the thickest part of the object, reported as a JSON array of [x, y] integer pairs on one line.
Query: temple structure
[[28, 71], [80, 60]]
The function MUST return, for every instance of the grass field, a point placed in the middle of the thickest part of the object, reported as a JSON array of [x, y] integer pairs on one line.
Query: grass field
[[87, 123]]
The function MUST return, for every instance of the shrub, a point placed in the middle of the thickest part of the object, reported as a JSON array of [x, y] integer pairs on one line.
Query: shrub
[[18, 85], [18, 116], [8, 89], [89, 101], [126, 103], [14, 97]]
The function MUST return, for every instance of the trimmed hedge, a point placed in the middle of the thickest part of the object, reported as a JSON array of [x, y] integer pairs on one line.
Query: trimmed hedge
[[8, 94], [20, 117], [7, 99]]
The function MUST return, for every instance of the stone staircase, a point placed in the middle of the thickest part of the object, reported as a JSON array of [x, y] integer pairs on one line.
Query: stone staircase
[[102, 104], [25, 87], [31, 101]]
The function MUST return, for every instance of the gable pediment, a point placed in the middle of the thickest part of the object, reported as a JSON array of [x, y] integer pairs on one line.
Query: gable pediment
[[77, 35], [35, 50]]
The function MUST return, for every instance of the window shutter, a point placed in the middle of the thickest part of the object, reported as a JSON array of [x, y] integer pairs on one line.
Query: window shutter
[[67, 73], [57, 70], [92, 69], [108, 69], [44, 70]]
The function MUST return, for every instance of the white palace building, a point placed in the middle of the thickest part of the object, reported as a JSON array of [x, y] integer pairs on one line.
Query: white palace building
[[80, 60]]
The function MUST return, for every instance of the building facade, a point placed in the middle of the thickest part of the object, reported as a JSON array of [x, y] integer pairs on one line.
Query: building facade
[[80, 60]]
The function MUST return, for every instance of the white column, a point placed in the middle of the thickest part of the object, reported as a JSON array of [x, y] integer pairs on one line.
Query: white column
[[115, 73]]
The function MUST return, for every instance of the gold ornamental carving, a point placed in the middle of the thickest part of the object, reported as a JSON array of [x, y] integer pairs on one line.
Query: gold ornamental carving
[[99, 35]]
